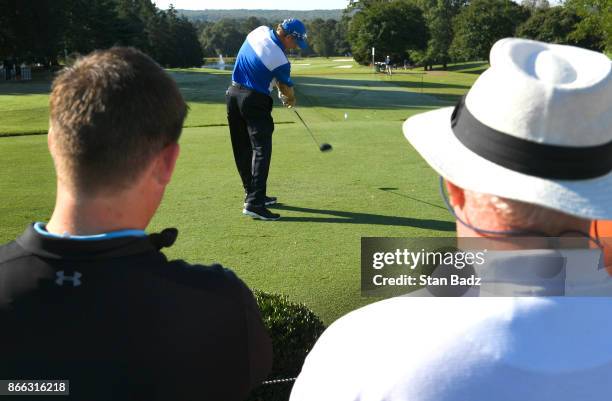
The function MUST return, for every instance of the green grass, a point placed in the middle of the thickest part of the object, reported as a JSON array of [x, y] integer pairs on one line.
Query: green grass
[[329, 200]]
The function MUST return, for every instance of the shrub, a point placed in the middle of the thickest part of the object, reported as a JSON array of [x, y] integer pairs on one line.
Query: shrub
[[294, 329]]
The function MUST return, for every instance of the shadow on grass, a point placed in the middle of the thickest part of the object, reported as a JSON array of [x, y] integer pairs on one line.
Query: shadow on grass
[[17, 88], [394, 192], [476, 72], [206, 87], [368, 83], [479, 65], [363, 218], [316, 91]]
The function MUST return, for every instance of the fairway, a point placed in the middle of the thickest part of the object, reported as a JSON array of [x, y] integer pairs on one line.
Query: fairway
[[372, 184]]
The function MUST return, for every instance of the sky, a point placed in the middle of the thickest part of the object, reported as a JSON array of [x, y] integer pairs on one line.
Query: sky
[[253, 4]]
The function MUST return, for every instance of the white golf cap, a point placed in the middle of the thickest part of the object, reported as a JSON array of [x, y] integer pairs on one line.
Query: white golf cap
[[535, 127]]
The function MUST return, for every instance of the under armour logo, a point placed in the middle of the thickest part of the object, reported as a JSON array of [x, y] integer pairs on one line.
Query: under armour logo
[[61, 278]]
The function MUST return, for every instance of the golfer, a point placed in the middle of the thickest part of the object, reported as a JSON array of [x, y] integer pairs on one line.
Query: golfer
[[260, 65], [528, 151], [88, 296]]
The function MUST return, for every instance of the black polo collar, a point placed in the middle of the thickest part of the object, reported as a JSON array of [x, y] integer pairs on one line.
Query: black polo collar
[[65, 248]]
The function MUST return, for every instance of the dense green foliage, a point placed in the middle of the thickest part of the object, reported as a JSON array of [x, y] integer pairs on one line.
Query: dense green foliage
[[392, 28], [45, 31], [461, 30], [595, 25], [294, 329], [223, 37], [552, 25], [325, 37], [439, 15], [422, 32], [482, 23]]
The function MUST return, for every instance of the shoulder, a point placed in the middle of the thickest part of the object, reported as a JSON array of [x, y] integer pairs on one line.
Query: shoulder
[[266, 49], [11, 252], [259, 33], [201, 276], [375, 343], [423, 318]]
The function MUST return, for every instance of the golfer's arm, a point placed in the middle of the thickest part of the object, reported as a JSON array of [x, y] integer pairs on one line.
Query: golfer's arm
[[283, 74]]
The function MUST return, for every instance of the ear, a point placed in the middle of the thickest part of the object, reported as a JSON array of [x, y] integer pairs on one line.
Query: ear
[[456, 195], [165, 163]]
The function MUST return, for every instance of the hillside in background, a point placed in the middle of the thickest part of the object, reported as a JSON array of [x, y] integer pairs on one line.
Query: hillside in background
[[270, 15]]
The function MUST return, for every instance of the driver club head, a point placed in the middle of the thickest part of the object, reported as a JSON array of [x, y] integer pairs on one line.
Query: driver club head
[[325, 147]]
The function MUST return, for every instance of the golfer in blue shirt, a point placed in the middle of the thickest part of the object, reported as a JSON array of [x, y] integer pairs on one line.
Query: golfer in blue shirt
[[260, 65]]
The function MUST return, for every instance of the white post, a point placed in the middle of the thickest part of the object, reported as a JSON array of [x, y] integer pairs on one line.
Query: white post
[[373, 65]]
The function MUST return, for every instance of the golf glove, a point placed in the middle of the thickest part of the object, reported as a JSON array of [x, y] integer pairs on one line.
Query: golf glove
[[286, 95]]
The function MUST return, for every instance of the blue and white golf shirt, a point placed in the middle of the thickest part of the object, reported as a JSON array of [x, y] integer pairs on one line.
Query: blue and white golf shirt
[[261, 59]]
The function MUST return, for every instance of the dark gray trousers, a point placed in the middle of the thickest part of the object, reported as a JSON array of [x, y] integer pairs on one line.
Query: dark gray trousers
[[249, 115]]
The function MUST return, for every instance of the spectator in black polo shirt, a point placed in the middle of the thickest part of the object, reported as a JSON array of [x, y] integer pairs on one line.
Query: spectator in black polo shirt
[[89, 297]]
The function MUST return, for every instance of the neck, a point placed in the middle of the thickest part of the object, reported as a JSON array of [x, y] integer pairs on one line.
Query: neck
[[501, 241], [79, 215], [282, 38]]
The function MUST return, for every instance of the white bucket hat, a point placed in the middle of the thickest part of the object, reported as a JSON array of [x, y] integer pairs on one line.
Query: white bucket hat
[[535, 127]]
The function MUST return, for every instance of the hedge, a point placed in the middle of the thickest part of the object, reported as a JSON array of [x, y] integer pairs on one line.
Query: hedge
[[294, 330]]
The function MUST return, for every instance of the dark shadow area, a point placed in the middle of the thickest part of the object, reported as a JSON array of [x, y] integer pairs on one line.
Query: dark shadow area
[[208, 87], [393, 191], [482, 65], [475, 72], [363, 218], [34, 87], [449, 98], [369, 94], [13, 134], [341, 82], [316, 91]]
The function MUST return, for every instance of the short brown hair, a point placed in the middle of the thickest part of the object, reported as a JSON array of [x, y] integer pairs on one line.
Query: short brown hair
[[110, 113]]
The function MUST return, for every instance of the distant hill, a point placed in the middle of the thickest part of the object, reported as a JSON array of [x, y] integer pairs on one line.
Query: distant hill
[[270, 15]]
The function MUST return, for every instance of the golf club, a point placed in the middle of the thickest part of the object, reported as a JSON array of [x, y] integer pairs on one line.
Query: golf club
[[324, 147]]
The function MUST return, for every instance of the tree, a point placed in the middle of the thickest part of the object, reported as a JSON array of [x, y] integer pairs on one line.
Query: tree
[[393, 28], [321, 36], [439, 15], [552, 25], [223, 37], [90, 25], [363, 4], [188, 51], [31, 30], [535, 5], [251, 23], [160, 39], [341, 43], [42, 30], [595, 26], [131, 31], [482, 23]]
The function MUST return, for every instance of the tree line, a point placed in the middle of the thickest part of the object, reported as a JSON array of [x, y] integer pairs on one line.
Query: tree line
[[225, 36], [431, 32], [47, 31], [428, 32], [420, 32]]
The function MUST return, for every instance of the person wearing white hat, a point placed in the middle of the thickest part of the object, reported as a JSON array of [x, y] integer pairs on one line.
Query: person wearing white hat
[[527, 152]]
